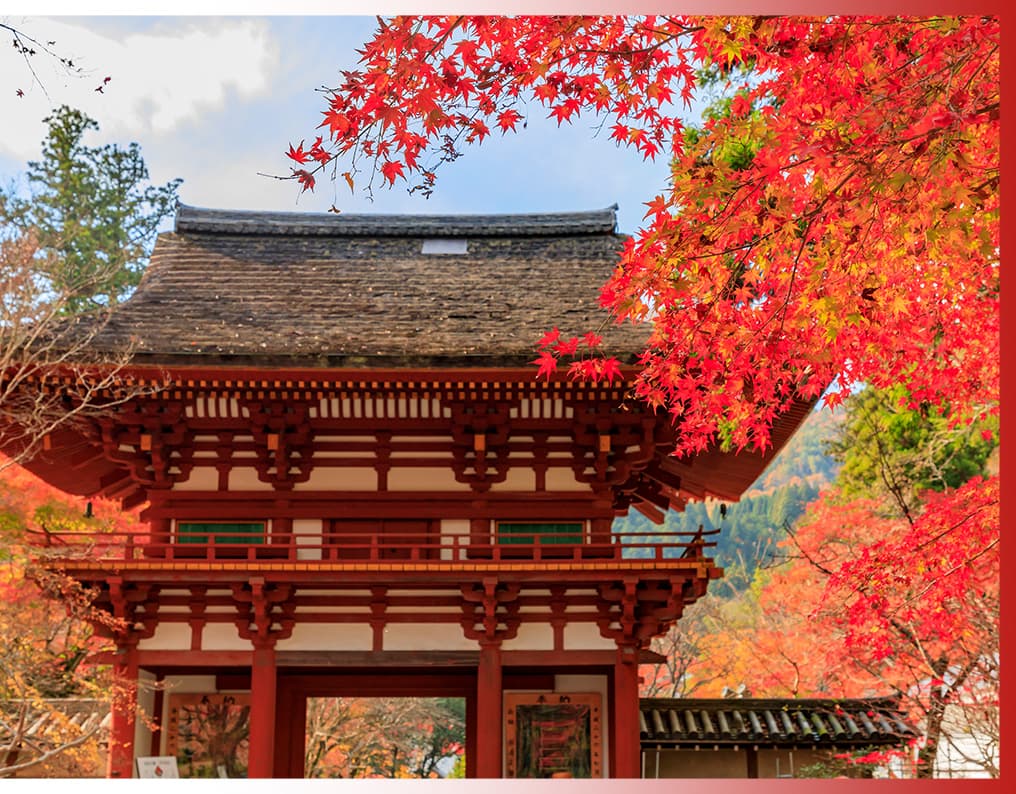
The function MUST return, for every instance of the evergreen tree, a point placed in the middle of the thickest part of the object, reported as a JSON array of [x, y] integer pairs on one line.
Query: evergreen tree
[[92, 210], [888, 446]]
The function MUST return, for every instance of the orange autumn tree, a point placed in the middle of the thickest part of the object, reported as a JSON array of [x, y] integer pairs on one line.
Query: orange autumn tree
[[838, 222], [874, 604], [388, 737], [888, 585], [45, 677]]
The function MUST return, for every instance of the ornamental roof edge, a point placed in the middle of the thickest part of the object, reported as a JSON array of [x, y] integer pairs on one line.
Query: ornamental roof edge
[[203, 220]]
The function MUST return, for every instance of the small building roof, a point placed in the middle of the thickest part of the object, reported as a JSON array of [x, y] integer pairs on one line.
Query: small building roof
[[772, 722], [354, 291]]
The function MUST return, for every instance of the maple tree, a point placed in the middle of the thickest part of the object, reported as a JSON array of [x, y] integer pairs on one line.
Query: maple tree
[[392, 737], [890, 583], [838, 222], [47, 624]]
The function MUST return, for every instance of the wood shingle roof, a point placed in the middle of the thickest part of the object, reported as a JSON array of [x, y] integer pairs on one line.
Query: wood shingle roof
[[324, 290]]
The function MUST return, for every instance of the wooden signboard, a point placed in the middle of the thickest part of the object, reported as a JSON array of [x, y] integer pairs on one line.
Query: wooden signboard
[[553, 735], [207, 734]]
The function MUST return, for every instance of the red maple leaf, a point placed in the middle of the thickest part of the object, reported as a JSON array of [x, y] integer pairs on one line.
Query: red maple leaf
[[549, 338], [298, 154], [391, 169], [546, 363], [305, 178]]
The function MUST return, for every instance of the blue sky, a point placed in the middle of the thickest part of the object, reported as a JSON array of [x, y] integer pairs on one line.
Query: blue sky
[[216, 100]]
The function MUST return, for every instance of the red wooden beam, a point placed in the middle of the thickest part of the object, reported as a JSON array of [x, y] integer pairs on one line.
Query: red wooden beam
[[575, 658], [162, 659]]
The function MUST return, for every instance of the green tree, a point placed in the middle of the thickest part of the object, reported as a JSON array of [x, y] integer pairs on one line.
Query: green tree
[[73, 244], [889, 447], [93, 211]]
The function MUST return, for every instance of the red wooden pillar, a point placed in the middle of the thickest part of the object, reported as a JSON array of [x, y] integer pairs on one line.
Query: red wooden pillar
[[489, 718], [162, 536], [120, 760], [261, 756], [627, 747]]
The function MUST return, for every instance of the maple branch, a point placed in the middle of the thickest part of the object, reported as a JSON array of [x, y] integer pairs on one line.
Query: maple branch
[[885, 471], [811, 215], [10, 771], [811, 560], [955, 526], [951, 571]]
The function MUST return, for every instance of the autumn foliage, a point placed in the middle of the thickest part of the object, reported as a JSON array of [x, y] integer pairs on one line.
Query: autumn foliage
[[45, 622], [836, 222], [888, 584]]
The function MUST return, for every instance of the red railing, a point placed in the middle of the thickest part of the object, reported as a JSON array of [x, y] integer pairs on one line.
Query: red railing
[[352, 547]]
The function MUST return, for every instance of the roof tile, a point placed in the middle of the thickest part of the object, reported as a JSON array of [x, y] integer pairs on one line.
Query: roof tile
[[672, 722]]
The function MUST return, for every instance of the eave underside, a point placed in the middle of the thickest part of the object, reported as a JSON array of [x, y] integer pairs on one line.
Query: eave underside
[[81, 459]]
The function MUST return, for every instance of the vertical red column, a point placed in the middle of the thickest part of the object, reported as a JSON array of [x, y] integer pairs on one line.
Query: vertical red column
[[627, 747], [489, 717], [120, 761], [162, 536], [261, 756]]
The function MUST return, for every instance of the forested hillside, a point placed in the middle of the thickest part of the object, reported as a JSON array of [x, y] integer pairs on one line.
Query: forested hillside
[[751, 527]]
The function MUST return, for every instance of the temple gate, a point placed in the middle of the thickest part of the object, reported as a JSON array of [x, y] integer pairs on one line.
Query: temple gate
[[353, 483]]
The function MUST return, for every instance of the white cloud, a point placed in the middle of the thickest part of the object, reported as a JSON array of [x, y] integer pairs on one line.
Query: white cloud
[[162, 75]]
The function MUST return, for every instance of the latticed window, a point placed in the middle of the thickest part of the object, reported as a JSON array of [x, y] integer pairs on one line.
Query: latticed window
[[220, 533], [527, 533]]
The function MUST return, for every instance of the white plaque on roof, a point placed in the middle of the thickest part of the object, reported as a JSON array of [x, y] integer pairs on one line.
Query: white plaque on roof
[[444, 246]]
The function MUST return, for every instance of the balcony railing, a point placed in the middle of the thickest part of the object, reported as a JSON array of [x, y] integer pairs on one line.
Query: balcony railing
[[406, 547]]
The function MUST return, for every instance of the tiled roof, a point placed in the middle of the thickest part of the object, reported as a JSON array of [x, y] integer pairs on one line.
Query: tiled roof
[[325, 290], [57, 717], [665, 722]]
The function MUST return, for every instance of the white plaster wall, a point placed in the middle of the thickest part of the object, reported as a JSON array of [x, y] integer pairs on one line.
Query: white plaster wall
[[202, 478], [591, 683], [416, 479], [564, 480], [245, 478], [352, 478], [328, 637], [585, 636], [518, 479], [223, 637], [427, 637], [307, 532], [531, 637], [453, 527], [168, 637]]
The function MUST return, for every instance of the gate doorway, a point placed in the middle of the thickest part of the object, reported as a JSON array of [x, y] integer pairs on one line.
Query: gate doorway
[[385, 737], [318, 715]]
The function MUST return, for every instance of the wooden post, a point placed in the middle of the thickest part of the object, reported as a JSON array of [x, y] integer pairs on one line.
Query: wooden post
[[120, 760], [262, 712], [627, 747], [489, 716], [162, 536], [751, 756], [156, 715]]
